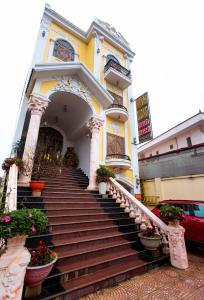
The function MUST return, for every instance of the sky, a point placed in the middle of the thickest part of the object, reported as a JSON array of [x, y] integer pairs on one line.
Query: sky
[[166, 35]]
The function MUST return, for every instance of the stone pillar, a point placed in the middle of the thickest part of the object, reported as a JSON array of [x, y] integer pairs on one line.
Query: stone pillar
[[37, 106], [177, 247], [94, 125]]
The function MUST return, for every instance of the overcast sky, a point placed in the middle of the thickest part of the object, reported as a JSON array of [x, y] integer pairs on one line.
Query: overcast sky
[[166, 35]]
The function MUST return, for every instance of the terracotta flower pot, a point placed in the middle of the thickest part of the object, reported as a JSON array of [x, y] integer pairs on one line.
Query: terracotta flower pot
[[36, 275], [37, 187]]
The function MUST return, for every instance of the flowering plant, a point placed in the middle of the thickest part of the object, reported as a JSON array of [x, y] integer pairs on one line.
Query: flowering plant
[[8, 162], [171, 213], [41, 255], [22, 222]]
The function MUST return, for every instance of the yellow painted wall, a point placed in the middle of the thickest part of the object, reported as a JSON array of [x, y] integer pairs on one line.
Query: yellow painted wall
[[46, 86], [96, 105], [85, 52], [181, 188], [110, 123], [128, 174]]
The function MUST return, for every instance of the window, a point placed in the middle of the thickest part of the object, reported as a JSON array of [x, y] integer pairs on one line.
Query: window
[[198, 210], [150, 155], [63, 50], [110, 56], [171, 146], [157, 152], [189, 142], [117, 99]]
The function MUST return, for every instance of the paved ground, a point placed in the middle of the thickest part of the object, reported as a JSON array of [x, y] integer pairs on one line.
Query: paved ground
[[164, 283]]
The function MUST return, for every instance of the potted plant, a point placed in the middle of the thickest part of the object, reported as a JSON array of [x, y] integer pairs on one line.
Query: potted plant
[[171, 214], [8, 162], [41, 264], [70, 158], [103, 174], [16, 225], [150, 239], [36, 184]]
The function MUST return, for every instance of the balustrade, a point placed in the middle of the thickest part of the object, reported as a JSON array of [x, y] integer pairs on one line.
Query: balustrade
[[173, 242]]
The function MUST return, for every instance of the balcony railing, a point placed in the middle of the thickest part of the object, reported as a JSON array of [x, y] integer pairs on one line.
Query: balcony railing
[[112, 64], [115, 105], [117, 156]]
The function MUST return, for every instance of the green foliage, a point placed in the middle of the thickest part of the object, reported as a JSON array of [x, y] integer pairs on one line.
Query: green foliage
[[171, 213], [103, 174], [22, 222], [8, 162], [18, 147]]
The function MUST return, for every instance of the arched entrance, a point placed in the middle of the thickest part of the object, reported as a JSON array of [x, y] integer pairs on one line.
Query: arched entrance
[[68, 113]]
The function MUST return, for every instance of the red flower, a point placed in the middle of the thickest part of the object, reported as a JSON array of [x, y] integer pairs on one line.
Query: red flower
[[7, 219]]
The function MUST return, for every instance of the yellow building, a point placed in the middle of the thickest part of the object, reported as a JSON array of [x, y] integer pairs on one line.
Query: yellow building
[[78, 95]]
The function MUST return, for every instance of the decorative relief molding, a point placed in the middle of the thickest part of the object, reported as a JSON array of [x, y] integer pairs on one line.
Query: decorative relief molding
[[112, 31], [95, 123], [115, 127], [73, 85], [37, 104]]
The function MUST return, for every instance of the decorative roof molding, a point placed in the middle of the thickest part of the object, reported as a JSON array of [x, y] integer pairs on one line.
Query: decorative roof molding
[[73, 85], [111, 30], [102, 28], [73, 70]]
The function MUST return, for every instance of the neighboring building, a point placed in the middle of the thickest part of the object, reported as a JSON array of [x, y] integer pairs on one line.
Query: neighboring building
[[78, 95], [172, 164], [184, 135]]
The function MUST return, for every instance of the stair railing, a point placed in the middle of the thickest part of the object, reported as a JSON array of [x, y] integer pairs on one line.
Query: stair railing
[[173, 242]]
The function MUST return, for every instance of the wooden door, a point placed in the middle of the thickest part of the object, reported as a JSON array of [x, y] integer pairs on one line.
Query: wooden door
[[115, 144]]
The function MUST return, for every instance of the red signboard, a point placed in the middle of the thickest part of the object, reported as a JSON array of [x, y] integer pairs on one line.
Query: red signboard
[[144, 118]]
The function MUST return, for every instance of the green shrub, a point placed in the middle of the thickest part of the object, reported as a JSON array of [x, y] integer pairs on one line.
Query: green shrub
[[171, 213], [103, 174], [22, 222]]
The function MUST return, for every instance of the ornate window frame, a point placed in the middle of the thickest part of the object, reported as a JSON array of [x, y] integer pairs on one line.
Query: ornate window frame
[[51, 57]]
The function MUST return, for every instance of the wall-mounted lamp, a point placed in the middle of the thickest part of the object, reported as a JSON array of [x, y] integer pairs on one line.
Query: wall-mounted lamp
[[43, 33], [134, 142]]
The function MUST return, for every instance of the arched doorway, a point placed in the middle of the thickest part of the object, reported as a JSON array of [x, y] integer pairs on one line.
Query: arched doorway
[[49, 146], [68, 113]]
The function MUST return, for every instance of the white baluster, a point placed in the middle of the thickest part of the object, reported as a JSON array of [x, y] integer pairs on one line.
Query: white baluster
[[111, 189], [143, 225], [137, 216], [118, 195], [127, 205], [122, 205], [114, 196], [132, 213]]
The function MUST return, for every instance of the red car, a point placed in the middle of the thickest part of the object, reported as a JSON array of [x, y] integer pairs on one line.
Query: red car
[[194, 218]]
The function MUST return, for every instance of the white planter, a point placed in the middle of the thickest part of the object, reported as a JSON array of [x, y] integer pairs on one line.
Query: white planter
[[102, 188], [150, 243]]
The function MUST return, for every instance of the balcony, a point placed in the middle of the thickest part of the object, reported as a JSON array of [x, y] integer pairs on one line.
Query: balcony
[[117, 74], [117, 112], [118, 160]]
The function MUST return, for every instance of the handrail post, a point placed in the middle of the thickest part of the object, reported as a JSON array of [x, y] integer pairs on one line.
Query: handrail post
[[14, 260], [175, 233]]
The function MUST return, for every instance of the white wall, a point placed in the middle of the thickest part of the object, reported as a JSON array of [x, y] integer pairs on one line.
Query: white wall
[[178, 142], [82, 148]]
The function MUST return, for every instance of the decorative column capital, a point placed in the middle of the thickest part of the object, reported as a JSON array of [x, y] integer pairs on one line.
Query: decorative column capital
[[94, 124], [37, 104]]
